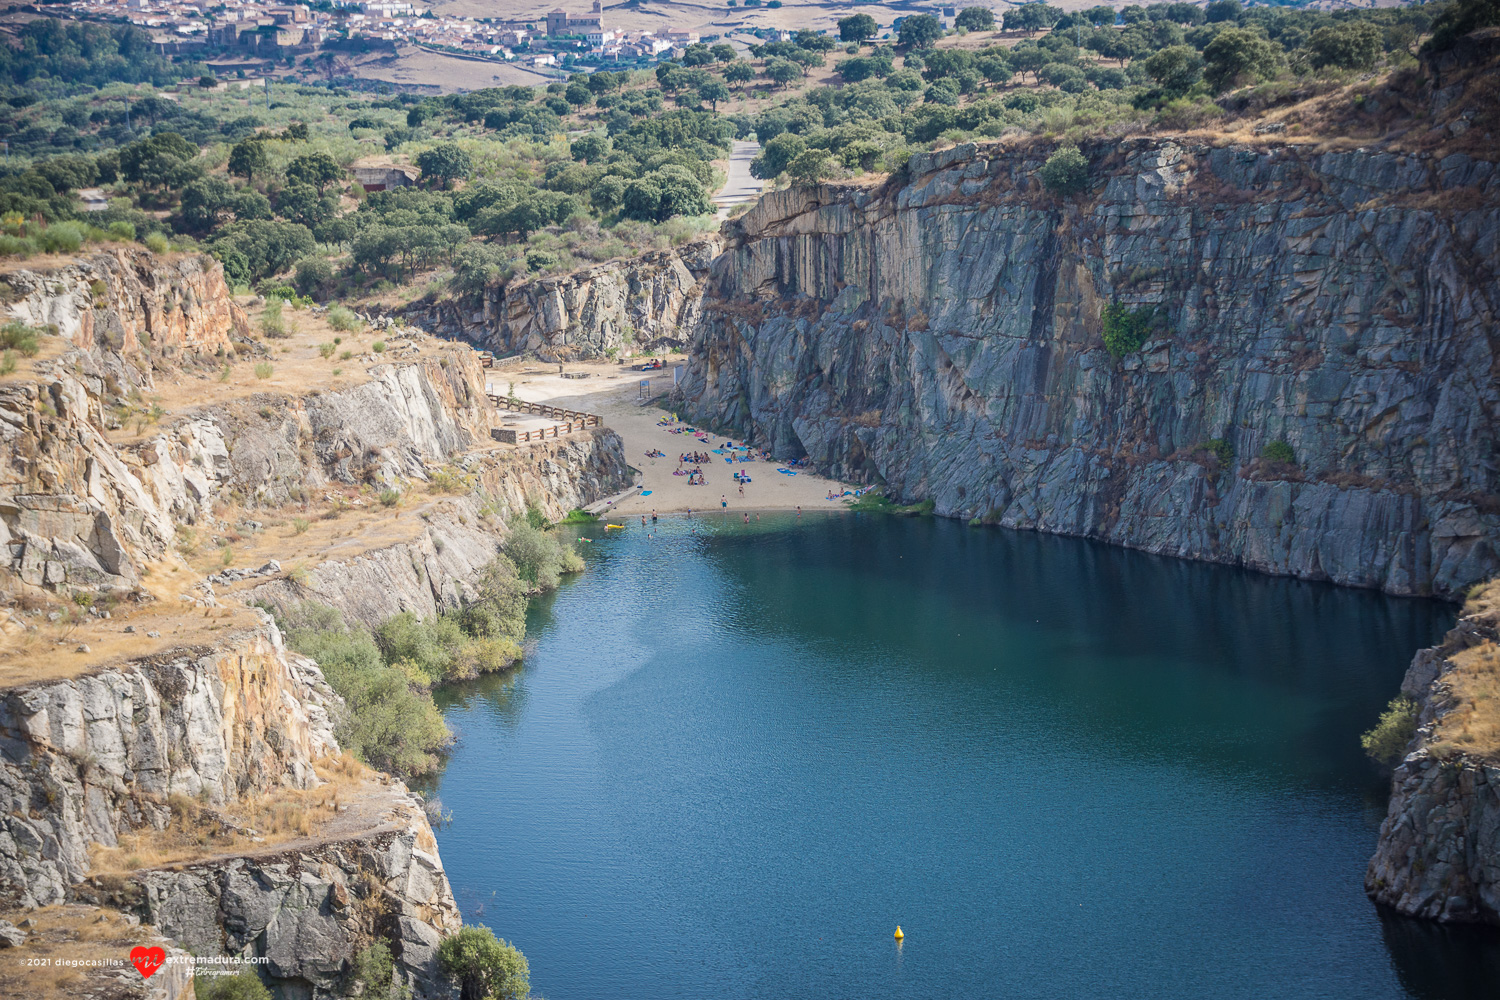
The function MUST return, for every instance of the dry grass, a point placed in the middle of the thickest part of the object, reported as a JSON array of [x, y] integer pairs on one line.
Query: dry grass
[[264, 823], [51, 651], [298, 368], [77, 934], [1471, 724]]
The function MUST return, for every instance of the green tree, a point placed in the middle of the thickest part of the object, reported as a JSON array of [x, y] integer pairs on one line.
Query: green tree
[[447, 162], [317, 169], [776, 155], [301, 203], [607, 193], [1459, 19], [723, 52], [740, 72], [713, 92], [248, 158], [920, 31], [809, 167], [782, 71], [857, 27], [975, 19], [578, 95], [590, 148], [206, 203], [1348, 45], [1222, 10], [1175, 68], [1066, 172], [486, 967], [1238, 56]]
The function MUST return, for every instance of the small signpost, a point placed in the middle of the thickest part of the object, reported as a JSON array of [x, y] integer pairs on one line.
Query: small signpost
[[645, 390]]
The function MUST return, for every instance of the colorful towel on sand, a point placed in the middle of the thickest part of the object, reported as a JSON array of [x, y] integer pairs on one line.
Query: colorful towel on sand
[[786, 472]]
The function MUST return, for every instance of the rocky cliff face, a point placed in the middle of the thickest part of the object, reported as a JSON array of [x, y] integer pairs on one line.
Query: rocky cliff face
[[1439, 850], [113, 748], [433, 571], [645, 303], [132, 309], [943, 335], [309, 911]]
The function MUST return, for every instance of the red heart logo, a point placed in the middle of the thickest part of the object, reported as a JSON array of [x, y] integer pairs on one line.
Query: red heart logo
[[147, 960]]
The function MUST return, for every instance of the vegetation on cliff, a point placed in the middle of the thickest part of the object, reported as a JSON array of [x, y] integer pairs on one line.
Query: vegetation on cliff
[[386, 675]]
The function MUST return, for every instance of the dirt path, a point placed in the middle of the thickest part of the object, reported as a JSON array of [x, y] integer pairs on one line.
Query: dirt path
[[611, 391]]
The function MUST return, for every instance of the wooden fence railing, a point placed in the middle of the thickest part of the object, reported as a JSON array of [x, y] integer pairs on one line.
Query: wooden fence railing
[[571, 420]]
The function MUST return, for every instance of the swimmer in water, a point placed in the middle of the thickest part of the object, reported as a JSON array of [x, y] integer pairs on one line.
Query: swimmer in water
[[653, 515], [799, 510], [747, 518]]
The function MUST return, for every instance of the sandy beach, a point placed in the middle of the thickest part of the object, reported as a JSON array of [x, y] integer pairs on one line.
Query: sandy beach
[[611, 390]]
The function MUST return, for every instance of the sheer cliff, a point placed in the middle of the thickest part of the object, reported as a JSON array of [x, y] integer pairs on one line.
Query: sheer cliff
[[943, 334], [1439, 850]]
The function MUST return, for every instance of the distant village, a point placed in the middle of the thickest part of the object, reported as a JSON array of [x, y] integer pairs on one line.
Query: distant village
[[282, 31]]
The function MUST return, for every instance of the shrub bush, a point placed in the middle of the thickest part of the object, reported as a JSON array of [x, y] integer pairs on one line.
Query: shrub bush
[[1279, 452], [156, 243], [17, 336], [1219, 449], [1126, 329], [242, 986], [1387, 742], [343, 319], [61, 237], [263, 370], [1065, 172]]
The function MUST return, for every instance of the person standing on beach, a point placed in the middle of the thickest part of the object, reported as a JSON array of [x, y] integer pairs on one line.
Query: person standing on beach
[[723, 502], [799, 510]]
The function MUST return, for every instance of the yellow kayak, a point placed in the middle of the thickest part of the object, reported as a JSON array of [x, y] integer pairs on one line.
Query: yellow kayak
[[614, 527]]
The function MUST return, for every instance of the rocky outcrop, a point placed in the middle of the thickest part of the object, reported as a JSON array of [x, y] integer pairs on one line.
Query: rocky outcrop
[[644, 303], [460, 536], [1439, 851], [86, 759], [943, 335], [310, 911], [132, 309]]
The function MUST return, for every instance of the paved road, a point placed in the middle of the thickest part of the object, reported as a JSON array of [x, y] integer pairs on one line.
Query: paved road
[[740, 187]]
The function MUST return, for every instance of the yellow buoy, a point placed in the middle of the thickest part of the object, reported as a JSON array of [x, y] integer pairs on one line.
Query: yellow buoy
[[899, 935]]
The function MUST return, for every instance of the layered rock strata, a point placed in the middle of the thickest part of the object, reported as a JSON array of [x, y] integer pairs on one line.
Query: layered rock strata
[[943, 335]]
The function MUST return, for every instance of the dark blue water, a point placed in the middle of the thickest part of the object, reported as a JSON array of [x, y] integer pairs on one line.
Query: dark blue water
[[740, 756]]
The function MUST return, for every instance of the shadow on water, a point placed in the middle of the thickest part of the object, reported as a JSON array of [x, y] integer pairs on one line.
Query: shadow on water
[[1239, 669], [1463, 959]]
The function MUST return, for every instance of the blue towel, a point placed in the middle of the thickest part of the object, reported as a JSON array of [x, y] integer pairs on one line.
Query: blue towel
[[645, 493]]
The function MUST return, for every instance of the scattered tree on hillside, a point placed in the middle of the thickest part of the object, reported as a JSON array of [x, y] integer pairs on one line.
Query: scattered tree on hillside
[[446, 162], [317, 169], [857, 27], [975, 19], [920, 31], [1349, 45], [1175, 68], [713, 92], [248, 158], [1238, 56], [739, 72]]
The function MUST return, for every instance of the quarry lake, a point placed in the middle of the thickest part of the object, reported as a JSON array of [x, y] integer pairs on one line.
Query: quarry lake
[[739, 756]]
